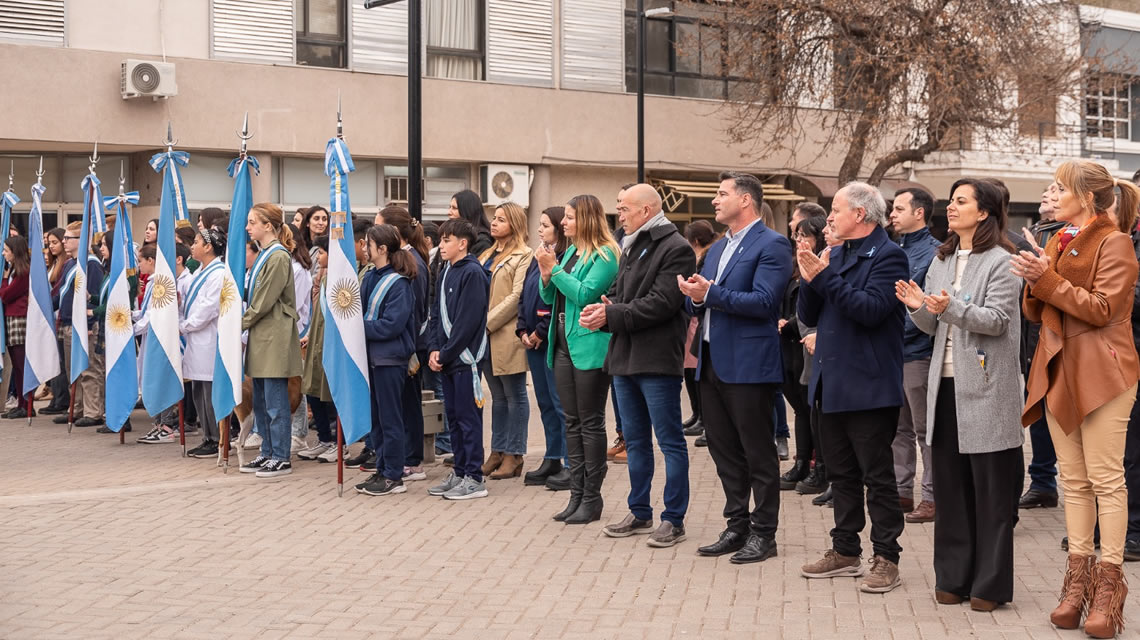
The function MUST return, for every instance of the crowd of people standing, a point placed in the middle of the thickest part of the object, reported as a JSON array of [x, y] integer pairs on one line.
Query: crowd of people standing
[[889, 346]]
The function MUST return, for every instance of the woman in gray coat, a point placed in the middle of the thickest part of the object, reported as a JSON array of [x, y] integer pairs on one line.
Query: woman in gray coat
[[971, 307]]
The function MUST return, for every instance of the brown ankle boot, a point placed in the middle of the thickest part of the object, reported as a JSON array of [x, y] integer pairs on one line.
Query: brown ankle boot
[[493, 462], [512, 467], [1075, 594], [1106, 613]]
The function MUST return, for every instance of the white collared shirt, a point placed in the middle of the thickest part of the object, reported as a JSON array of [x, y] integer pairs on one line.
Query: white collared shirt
[[730, 247]]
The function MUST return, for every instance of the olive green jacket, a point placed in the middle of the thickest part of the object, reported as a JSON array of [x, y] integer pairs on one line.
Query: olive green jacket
[[273, 349], [581, 286], [313, 381]]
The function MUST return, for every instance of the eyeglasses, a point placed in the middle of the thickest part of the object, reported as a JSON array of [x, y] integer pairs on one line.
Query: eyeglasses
[[70, 237]]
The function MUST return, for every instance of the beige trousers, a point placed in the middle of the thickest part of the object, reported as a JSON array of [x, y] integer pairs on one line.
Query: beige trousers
[[1091, 462], [88, 394]]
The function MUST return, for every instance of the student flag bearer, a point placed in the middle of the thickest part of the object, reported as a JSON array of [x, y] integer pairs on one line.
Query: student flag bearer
[[8, 199], [226, 391], [93, 222], [42, 360], [162, 366], [122, 367], [345, 359]]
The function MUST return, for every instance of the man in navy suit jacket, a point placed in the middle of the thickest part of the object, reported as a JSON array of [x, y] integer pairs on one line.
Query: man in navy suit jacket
[[848, 295], [738, 294]]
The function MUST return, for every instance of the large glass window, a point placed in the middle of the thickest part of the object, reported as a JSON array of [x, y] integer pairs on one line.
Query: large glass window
[[455, 39], [321, 32], [684, 56], [1108, 107]]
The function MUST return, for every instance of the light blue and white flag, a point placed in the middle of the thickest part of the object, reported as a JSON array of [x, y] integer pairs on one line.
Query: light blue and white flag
[[226, 392], [8, 199], [41, 362], [345, 357], [93, 222], [122, 365], [162, 365]]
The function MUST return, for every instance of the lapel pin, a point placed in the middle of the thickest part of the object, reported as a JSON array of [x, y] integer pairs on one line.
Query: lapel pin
[[967, 298], [871, 253], [1074, 252]]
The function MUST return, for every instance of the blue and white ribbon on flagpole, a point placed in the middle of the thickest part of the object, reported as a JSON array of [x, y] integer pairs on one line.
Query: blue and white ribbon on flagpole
[[8, 199], [162, 363], [122, 365], [93, 222], [345, 358], [41, 361], [228, 374]]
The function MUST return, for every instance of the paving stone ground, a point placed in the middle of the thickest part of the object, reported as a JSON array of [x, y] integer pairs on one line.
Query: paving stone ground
[[99, 540]]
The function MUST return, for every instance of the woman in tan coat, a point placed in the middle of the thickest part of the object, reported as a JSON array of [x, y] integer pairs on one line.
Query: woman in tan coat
[[1080, 288], [507, 260]]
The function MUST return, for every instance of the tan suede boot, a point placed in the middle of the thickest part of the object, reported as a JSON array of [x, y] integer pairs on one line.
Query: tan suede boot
[[511, 468], [1075, 594], [1106, 613], [492, 463]]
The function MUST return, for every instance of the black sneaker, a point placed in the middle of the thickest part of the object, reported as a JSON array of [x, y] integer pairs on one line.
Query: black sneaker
[[383, 487], [208, 449], [60, 419], [53, 411], [274, 468], [354, 461], [88, 422], [369, 465], [255, 465], [18, 412], [372, 478]]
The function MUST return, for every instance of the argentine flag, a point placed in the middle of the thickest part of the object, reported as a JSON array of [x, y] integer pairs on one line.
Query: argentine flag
[[122, 366], [226, 392], [345, 357], [8, 199], [162, 365], [93, 220], [41, 362]]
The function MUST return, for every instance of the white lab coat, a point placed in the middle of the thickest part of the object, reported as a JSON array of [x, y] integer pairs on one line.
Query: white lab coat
[[199, 326]]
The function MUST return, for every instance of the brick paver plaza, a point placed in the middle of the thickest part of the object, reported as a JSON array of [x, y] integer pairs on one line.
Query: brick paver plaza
[[109, 541]]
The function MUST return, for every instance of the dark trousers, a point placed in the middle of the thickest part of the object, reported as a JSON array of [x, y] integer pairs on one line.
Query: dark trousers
[[797, 395], [16, 354], [387, 435], [857, 446], [1043, 464], [739, 427], [324, 414], [977, 495], [583, 394], [815, 413], [188, 406], [412, 399], [465, 422], [1132, 470], [694, 392], [617, 411], [60, 389]]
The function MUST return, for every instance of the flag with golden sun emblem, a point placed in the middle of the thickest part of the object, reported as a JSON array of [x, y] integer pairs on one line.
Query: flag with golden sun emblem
[[122, 367]]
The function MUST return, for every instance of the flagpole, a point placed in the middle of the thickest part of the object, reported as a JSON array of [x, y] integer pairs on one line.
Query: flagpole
[[71, 409], [182, 426], [339, 459], [31, 410], [224, 442]]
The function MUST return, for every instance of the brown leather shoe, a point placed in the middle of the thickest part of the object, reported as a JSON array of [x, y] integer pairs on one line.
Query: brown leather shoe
[[1075, 593], [979, 604], [621, 457], [907, 503], [1106, 613], [924, 512], [493, 462], [945, 597], [511, 467], [618, 447]]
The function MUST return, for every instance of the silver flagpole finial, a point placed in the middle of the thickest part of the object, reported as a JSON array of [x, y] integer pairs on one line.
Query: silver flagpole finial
[[94, 158], [40, 172], [122, 176], [169, 141], [339, 122], [12, 175], [245, 135]]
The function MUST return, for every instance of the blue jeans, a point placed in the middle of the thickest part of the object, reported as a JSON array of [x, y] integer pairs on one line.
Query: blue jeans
[[434, 381], [510, 412], [272, 417], [780, 408], [1043, 464], [553, 424], [651, 404]]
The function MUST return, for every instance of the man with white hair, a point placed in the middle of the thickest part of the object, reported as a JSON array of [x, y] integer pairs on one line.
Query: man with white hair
[[857, 381]]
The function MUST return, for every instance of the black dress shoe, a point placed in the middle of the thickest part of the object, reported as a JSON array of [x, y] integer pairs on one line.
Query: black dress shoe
[[701, 441], [691, 421], [791, 477], [729, 542], [757, 549], [695, 429], [823, 498], [53, 411], [559, 481], [60, 419], [538, 477], [1132, 550], [88, 422], [1033, 499]]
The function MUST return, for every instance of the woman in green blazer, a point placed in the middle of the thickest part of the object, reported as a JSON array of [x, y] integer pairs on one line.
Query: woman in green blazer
[[273, 350], [588, 268]]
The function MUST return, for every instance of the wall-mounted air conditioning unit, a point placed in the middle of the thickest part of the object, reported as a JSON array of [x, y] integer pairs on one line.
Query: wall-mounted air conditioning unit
[[144, 79], [499, 183]]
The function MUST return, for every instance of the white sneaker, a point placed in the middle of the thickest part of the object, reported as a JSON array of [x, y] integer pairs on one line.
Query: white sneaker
[[330, 454], [468, 489], [316, 450], [298, 445], [253, 441], [448, 484]]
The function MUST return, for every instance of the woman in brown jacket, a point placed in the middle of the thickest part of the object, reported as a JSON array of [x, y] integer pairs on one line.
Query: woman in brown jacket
[[1080, 289], [507, 260]]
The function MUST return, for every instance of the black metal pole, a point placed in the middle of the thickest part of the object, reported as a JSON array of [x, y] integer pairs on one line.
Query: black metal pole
[[415, 124], [641, 91]]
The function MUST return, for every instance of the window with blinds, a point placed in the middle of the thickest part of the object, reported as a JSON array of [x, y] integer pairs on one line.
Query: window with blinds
[[380, 38], [520, 41], [33, 21], [254, 30], [592, 32]]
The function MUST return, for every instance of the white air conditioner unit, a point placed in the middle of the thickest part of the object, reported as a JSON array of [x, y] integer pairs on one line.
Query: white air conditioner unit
[[144, 79], [501, 183]]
